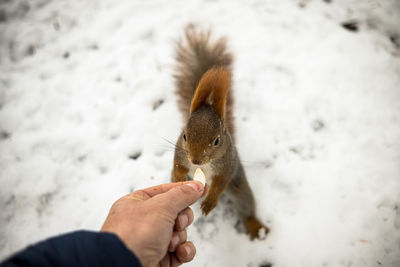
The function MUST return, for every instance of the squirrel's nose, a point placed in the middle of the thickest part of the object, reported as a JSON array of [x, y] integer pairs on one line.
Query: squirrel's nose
[[196, 161]]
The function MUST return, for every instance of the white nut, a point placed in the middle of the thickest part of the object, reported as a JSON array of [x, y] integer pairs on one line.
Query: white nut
[[199, 176]]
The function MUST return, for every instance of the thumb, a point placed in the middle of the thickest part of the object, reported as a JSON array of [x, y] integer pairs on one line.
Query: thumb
[[180, 197]]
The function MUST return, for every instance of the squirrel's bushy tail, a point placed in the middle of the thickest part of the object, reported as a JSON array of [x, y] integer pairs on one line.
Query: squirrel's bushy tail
[[195, 55]]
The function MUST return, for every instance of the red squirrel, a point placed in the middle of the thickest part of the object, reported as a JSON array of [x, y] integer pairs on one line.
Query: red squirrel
[[203, 79]]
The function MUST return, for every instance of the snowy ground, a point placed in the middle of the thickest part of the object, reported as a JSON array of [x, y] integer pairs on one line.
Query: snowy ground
[[86, 103]]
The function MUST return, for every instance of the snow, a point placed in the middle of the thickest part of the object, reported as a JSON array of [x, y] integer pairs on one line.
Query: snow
[[87, 110]]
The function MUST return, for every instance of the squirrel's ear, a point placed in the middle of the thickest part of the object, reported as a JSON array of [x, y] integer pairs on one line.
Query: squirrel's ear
[[212, 90]]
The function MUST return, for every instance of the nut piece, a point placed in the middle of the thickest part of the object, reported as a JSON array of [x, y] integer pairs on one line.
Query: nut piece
[[199, 176]]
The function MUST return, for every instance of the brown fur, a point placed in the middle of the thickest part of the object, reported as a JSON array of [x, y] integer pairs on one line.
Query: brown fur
[[195, 56], [213, 89], [203, 89], [253, 226], [180, 172], [218, 186]]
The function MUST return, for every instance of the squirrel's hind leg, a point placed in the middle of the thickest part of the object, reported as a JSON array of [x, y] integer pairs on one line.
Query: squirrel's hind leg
[[254, 227], [243, 199]]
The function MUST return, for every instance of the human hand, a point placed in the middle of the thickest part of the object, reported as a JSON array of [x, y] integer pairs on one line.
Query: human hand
[[151, 222]]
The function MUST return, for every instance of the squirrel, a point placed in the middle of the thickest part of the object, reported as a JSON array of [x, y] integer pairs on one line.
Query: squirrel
[[203, 78]]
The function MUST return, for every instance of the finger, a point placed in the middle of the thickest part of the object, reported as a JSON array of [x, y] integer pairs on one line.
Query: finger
[[170, 260], [174, 260], [139, 195], [146, 193], [177, 239], [166, 261], [185, 218], [185, 252], [162, 188], [179, 197]]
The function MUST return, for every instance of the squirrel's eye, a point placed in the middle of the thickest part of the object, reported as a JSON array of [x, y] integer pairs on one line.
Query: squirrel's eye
[[184, 137], [216, 142]]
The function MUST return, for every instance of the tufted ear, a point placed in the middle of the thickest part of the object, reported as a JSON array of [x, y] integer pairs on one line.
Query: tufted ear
[[212, 90]]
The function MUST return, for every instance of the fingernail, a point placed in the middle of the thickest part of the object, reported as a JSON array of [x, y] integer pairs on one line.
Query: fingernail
[[188, 250], [195, 186], [183, 220]]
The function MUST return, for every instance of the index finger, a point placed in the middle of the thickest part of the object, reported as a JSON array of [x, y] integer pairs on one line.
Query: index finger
[[150, 192]]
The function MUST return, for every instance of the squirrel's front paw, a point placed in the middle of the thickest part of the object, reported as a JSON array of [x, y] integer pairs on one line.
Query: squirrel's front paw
[[207, 206]]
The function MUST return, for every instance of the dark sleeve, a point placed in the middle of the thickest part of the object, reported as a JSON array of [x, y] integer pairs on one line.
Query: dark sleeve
[[81, 248]]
